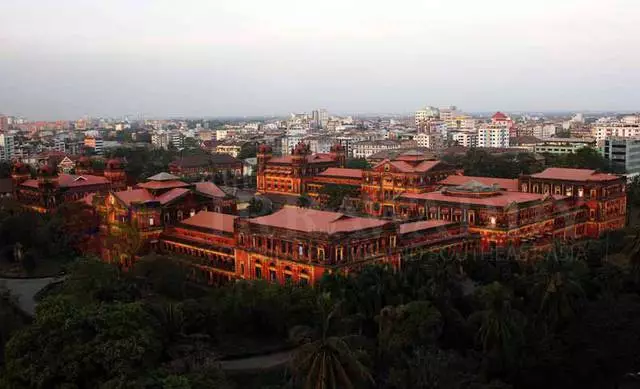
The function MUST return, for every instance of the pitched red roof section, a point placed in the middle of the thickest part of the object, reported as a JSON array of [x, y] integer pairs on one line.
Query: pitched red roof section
[[499, 116], [407, 228], [310, 220], [501, 200], [162, 184], [406, 167], [212, 221], [171, 195], [313, 158], [210, 189], [134, 196], [557, 173], [507, 184], [342, 172], [72, 181]]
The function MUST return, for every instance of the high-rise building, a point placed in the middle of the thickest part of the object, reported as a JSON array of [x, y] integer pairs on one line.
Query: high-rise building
[[422, 116], [7, 147], [491, 135], [624, 152], [320, 118]]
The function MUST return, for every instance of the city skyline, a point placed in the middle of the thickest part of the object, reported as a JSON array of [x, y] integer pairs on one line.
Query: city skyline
[[154, 59]]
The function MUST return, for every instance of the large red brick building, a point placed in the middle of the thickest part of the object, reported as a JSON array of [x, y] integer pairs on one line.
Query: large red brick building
[[290, 174]]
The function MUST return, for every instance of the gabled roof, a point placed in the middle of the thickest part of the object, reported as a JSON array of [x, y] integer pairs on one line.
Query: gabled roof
[[212, 221], [163, 184], [163, 177], [312, 158], [171, 195], [405, 167], [72, 181], [309, 220], [507, 184], [134, 196], [342, 172], [209, 189], [566, 174]]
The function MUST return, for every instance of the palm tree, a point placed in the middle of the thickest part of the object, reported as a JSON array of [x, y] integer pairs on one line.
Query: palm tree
[[559, 291], [501, 326], [324, 361], [303, 201]]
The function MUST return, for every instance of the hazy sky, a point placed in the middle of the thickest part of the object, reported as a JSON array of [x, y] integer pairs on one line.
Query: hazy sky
[[69, 58]]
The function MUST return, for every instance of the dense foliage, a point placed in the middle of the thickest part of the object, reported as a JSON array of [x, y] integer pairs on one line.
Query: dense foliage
[[442, 322]]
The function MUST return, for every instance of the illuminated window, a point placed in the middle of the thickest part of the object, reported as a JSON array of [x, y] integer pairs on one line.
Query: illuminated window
[[492, 220], [151, 221], [192, 212], [580, 192], [272, 275]]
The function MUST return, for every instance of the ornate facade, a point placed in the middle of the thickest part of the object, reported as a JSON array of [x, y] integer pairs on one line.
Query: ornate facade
[[161, 202], [604, 195], [50, 189], [217, 167], [407, 174], [290, 174]]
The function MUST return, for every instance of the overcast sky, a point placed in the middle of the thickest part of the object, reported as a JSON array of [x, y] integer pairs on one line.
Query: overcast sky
[[157, 58]]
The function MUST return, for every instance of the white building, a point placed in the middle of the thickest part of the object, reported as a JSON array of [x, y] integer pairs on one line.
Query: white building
[[289, 142], [160, 139], [221, 134], [623, 151], [493, 136], [614, 130], [367, 148], [430, 141], [465, 138], [426, 114], [7, 147], [545, 131], [176, 139]]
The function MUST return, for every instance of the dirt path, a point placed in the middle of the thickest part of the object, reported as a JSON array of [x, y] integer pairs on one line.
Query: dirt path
[[262, 362], [25, 290]]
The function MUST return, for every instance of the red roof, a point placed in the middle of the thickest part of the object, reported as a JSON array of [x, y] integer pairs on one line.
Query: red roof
[[162, 184], [407, 228], [134, 196], [557, 173], [499, 116], [342, 172], [171, 195], [501, 200], [313, 158], [310, 220], [405, 167], [504, 183], [72, 181], [212, 221], [209, 188]]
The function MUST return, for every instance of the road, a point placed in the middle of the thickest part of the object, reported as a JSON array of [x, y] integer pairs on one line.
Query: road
[[262, 362], [25, 289]]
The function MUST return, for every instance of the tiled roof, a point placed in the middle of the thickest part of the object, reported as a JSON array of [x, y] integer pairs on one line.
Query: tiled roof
[[407, 228], [501, 200], [171, 195], [165, 184], [309, 220], [504, 183], [406, 167], [210, 189], [342, 172], [72, 181], [205, 160], [163, 177], [313, 158], [499, 116], [212, 221], [557, 173], [134, 196]]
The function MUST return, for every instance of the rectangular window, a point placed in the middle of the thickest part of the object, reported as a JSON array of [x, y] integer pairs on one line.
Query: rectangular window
[[258, 272], [272, 275], [151, 222]]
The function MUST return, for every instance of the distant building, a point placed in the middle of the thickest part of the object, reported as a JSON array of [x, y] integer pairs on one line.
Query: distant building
[[424, 115], [465, 138], [429, 141], [563, 145], [602, 131], [492, 135], [231, 148], [367, 148], [7, 147], [160, 139], [95, 143], [624, 152]]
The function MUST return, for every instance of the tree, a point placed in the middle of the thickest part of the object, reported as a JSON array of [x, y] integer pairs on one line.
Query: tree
[[357, 163], [303, 201], [500, 326], [558, 291], [82, 346], [324, 361], [255, 206], [333, 195], [248, 150], [403, 327]]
